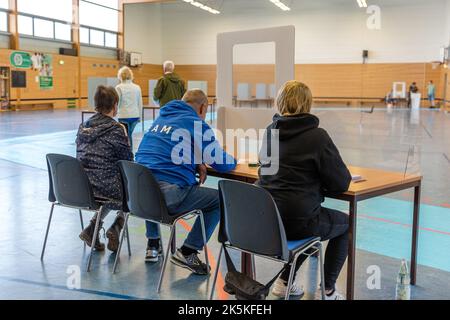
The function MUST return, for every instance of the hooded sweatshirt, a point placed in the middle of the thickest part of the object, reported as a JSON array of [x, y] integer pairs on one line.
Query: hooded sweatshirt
[[170, 87], [309, 165], [101, 143], [168, 149]]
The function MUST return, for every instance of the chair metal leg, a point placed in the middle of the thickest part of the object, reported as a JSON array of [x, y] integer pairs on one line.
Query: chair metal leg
[[81, 219], [94, 238], [216, 273], [48, 229], [322, 270], [161, 243], [128, 239], [166, 258], [122, 236], [202, 219], [291, 278], [173, 241]]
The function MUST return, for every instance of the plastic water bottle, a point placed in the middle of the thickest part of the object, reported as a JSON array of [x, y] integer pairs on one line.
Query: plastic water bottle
[[403, 289]]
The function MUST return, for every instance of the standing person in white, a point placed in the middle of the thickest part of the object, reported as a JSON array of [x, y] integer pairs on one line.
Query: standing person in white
[[130, 101]]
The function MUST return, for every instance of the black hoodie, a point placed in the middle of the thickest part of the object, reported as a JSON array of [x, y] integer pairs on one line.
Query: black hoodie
[[309, 164], [101, 143]]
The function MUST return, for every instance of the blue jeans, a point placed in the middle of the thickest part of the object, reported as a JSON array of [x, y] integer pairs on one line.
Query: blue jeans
[[131, 124], [186, 199]]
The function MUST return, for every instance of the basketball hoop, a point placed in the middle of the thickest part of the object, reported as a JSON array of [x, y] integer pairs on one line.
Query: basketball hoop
[[435, 64]]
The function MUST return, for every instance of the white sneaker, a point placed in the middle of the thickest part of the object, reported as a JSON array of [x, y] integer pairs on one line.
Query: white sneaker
[[336, 296], [280, 288]]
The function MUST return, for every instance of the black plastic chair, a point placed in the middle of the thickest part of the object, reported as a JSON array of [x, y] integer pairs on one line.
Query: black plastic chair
[[69, 187], [145, 201], [251, 223]]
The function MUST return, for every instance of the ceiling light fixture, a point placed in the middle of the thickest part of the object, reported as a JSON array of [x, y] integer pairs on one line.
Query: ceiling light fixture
[[362, 3], [280, 5], [202, 6]]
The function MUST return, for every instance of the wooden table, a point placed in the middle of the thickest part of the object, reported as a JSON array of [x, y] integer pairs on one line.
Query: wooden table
[[378, 183]]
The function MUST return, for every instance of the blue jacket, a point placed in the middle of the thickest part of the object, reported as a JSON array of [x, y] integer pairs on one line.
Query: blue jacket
[[177, 142]]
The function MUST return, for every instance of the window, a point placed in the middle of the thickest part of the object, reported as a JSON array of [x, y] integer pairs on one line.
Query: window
[[84, 35], [43, 28], [97, 38], [4, 4], [3, 15], [111, 40], [99, 20], [63, 31], [45, 19], [25, 25], [101, 14], [3, 21], [59, 10]]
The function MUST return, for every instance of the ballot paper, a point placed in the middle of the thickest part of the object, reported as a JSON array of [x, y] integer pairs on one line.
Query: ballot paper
[[357, 177]]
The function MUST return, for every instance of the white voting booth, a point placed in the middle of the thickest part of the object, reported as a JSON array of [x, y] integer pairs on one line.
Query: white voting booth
[[399, 90], [202, 85], [151, 90], [245, 119], [416, 101], [94, 83]]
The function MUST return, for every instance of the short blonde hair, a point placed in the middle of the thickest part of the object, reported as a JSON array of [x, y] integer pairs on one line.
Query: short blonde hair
[[125, 74], [294, 98]]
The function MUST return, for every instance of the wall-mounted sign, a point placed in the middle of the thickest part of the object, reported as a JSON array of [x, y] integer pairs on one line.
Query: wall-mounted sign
[[20, 60], [45, 83]]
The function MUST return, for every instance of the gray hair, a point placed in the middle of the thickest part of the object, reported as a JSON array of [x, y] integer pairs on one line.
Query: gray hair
[[169, 66]]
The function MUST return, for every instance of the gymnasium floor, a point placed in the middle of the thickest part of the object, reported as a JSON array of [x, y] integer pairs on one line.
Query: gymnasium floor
[[381, 140]]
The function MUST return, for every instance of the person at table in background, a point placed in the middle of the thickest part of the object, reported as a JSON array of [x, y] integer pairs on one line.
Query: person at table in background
[[170, 87], [177, 179], [431, 94], [130, 101], [101, 143], [412, 89], [309, 165]]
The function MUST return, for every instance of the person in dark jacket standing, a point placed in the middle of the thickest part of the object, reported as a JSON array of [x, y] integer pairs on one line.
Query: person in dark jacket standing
[[170, 87], [101, 143], [309, 165]]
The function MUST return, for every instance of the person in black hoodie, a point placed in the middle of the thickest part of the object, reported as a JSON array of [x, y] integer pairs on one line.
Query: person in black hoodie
[[101, 143], [309, 165]]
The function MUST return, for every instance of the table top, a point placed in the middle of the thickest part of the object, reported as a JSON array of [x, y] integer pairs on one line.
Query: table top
[[374, 179]]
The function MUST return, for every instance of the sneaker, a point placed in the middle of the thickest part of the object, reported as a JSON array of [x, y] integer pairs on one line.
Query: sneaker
[[280, 288], [152, 254], [335, 296], [191, 262]]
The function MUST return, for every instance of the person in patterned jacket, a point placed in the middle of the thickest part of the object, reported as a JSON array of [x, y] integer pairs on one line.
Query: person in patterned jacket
[[101, 143]]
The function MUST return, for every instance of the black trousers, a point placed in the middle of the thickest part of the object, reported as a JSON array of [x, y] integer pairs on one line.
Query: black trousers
[[329, 225]]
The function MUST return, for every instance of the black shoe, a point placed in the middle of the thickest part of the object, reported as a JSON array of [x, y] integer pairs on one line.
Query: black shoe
[[191, 262]]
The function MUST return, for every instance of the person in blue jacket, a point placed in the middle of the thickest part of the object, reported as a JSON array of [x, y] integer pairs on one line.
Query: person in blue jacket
[[177, 147]]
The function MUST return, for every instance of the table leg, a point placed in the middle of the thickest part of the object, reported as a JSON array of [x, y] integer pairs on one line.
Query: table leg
[[415, 234], [352, 250], [154, 115], [247, 265]]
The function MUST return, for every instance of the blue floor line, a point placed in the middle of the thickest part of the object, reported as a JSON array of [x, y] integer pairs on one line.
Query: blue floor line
[[85, 291]]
